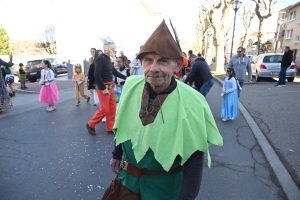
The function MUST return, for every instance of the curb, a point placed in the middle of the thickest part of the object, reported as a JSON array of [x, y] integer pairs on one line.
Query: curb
[[18, 90], [290, 188]]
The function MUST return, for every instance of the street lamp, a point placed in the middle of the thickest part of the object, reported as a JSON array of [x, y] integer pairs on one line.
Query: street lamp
[[235, 5]]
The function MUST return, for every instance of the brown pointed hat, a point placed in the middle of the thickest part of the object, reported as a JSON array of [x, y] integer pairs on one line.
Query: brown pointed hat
[[161, 42]]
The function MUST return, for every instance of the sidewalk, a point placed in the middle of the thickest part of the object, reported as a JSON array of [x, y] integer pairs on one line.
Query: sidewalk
[[282, 175]]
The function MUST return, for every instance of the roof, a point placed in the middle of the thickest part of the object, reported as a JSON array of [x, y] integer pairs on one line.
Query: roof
[[256, 33], [291, 6]]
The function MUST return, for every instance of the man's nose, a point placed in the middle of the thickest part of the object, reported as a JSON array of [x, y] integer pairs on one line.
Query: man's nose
[[154, 67]]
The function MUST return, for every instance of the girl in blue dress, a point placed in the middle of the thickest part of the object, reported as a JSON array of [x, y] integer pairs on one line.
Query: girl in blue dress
[[230, 102]]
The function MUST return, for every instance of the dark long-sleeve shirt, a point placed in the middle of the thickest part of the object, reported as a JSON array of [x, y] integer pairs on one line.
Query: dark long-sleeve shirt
[[91, 78], [192, 168], [104, 71], [200, 73], [287, 59]]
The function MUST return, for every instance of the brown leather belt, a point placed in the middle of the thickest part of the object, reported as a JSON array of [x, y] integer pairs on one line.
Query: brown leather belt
[[137, 172]]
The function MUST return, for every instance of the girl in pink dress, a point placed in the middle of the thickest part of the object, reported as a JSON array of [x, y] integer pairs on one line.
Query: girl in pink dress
[[49, 92]]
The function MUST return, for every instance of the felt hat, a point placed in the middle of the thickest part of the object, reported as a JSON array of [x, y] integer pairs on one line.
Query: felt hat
[[161, 42]]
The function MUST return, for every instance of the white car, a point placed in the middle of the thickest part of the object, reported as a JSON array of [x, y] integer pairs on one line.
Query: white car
[[268, 66], [251, 57]]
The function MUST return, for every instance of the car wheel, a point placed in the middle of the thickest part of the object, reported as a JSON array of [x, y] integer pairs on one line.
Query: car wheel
[[32, 80], [290, 79], [257, 77]]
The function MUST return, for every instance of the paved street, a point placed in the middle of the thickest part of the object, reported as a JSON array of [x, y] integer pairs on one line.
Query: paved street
[[51, 156]]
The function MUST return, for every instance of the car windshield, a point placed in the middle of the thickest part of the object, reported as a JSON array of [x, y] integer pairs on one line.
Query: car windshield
[[272, 59], [34, 62]]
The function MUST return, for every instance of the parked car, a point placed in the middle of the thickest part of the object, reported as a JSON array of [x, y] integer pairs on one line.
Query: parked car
[[251, 57], [33, 68], [268, 66], [59, 66]]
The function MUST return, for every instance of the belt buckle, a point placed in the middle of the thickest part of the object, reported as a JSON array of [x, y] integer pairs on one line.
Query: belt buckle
[[125, 165]]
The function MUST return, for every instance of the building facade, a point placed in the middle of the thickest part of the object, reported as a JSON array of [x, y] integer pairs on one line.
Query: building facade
[[288, 30]]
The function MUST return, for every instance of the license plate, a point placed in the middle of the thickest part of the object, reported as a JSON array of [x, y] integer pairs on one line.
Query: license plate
[[32, 73], [274, 73]]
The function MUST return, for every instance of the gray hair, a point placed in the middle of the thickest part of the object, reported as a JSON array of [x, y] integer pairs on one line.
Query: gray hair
[[193, 56]]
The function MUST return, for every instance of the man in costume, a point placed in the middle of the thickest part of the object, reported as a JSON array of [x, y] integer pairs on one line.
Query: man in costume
[[104, 88], [170, 128]]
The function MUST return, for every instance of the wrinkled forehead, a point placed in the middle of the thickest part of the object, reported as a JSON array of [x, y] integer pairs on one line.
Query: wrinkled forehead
[[153, 55]]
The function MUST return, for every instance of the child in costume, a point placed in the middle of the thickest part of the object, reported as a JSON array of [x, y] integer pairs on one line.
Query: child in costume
[[119, 82], [49, 92], [22, 76], [9, 79], [78, 79], [230, 102]]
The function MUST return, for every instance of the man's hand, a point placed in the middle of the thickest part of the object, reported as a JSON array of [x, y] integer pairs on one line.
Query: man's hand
[[105, 92], [91, 90], [115, 165]]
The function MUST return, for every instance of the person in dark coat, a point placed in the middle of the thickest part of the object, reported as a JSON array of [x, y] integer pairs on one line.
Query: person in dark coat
[[285, 63], [91, 78], [200, 74]]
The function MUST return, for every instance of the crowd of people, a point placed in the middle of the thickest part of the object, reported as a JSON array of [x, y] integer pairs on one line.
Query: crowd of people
[[148, 88]]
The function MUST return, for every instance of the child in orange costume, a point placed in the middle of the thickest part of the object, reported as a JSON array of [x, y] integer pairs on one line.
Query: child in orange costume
[[78, 79]]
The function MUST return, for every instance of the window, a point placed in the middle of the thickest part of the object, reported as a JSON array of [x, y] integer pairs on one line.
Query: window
[[292, 15], [297, 39], [289, 34], [273, 59], [283, 16]]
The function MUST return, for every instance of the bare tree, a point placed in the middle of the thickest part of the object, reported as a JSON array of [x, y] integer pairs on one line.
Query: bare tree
[[248, 15], [202, 26], [263, 10], [47, 41], [228, 29], [218, 13]]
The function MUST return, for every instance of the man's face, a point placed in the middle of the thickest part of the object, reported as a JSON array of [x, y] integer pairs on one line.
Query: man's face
[[240, 52], [122, 53], [158, 70], [193, 60], [286, 50]]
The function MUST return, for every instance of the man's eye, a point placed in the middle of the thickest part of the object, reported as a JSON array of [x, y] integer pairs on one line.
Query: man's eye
[[163, 61]]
